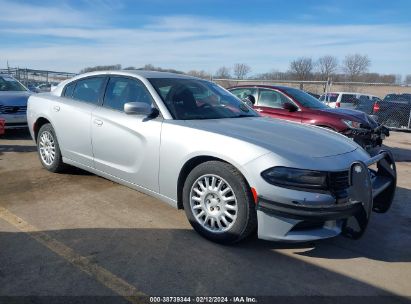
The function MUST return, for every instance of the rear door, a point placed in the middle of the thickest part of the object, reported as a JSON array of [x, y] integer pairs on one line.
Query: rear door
[[72, 118], [126, 146], [271, 103]]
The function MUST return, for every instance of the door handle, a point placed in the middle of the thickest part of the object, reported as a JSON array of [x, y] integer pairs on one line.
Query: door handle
[[98, 122], [56, 108]]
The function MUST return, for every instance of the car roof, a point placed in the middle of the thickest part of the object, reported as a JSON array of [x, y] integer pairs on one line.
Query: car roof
[[278, 87], [132, 73], [141, 73]]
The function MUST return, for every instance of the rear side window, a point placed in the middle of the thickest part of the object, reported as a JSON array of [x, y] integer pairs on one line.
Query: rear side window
[[348, 98], [121, 90], [68, 91], [89, 89], [243, 92]]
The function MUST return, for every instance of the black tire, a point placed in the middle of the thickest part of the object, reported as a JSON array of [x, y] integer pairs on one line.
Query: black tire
[[246, 221], [57, 164]]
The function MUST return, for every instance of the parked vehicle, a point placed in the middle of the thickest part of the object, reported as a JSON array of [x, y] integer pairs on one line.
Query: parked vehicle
[[45, 87], [2, 123], [316, 96], [13, 102], [348, 100], [33, 88], [394, 111], [194, 145], [296, 105]]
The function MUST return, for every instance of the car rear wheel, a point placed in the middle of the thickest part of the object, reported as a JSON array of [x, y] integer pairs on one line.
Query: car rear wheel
[[49, 150], [218, 202]]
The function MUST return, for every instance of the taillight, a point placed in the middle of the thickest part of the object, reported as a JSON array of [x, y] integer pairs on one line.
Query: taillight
[[376, 107], [337, 104]]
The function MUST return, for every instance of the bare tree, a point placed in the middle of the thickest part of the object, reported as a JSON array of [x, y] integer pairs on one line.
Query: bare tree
[[327, 66], [240, 70], [223, 73], [200, 74], [302, 68], [101, 68], [408, 79], [355, 65]]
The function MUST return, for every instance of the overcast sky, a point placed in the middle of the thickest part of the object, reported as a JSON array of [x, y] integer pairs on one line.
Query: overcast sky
[[202, 34]]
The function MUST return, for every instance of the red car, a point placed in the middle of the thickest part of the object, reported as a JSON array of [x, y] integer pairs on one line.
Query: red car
[[2, 123], [296, 105]]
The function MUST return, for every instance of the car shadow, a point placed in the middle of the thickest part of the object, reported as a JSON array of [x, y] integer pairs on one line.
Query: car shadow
[[17, 134], [400, 154], [17, 148], [169, 262]]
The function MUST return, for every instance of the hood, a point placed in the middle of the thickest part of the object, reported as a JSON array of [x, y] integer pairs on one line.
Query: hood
[[14, 98], [355, 115], [348, 114], [279, 136]]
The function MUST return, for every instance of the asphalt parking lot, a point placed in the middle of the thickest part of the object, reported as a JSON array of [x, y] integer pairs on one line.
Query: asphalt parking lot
[[78, 234]]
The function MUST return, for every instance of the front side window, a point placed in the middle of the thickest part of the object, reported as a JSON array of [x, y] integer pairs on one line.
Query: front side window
[[188, 99], [121, 90], [8, 83], [271, 99], [88, 89]]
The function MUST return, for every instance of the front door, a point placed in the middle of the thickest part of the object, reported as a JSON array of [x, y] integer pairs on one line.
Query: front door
[[126, 146], [271, 103]]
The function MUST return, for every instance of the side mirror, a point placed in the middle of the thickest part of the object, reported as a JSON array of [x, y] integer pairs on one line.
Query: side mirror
[[137, 108], [290, 107]]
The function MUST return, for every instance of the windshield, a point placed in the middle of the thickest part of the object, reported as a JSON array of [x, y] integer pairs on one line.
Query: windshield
[[8, 83], [188, 99], [306, 100]]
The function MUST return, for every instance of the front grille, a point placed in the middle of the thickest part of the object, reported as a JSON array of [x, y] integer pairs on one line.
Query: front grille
[[13, 109], [338, 183]]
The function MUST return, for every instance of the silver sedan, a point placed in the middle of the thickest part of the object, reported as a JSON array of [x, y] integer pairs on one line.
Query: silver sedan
[[194, 145]]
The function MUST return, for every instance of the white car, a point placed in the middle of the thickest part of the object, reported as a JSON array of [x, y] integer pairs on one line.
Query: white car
[[346, 99], [194, 145]]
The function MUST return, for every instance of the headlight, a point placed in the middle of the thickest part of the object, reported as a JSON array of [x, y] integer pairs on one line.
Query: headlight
[[299, 178], [352, 124]]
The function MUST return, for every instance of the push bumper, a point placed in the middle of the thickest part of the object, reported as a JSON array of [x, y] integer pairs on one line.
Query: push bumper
[[369, 190]]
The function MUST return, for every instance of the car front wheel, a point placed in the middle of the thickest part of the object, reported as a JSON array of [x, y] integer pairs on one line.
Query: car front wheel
[[218, 202]]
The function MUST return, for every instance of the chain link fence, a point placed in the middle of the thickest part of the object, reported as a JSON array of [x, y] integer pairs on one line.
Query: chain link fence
[[389, 104], [37, 77]]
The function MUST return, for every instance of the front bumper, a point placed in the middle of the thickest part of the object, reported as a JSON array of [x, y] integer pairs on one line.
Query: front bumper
[[369, 190], [15, 121], [368, 138]]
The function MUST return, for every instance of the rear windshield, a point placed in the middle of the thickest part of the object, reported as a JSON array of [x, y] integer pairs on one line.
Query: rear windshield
[[348, 98], [8, 83], [330, 97]]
